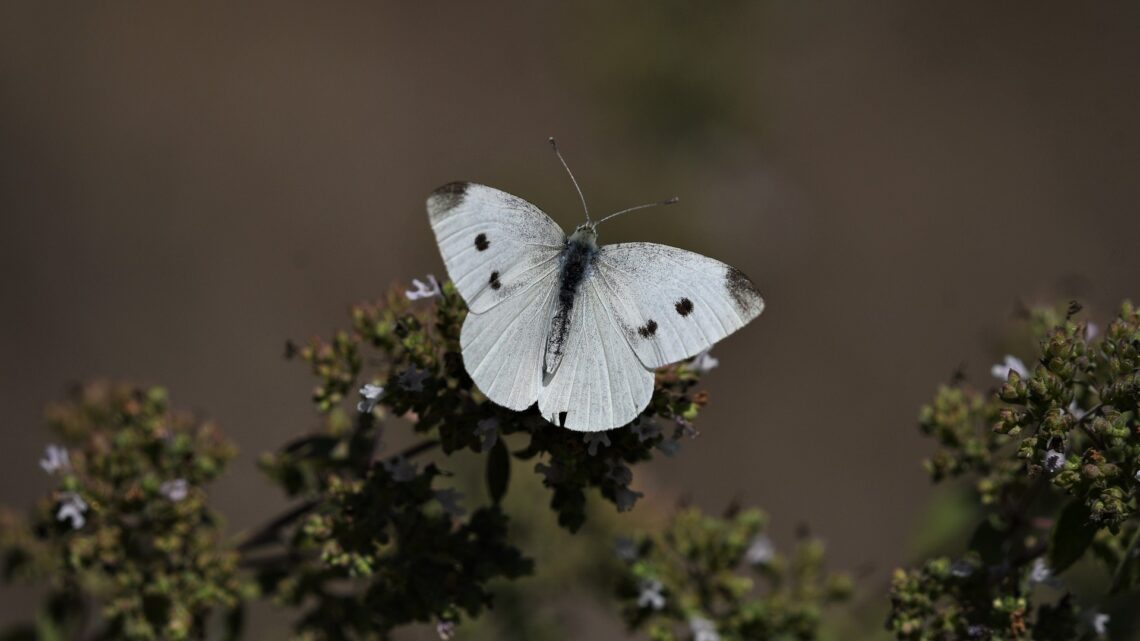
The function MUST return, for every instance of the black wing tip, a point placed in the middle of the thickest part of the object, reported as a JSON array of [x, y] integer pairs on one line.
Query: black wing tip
[[447, 198], [743, 292]]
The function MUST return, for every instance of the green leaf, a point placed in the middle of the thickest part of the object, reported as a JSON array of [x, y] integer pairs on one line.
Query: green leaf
[[498, 471], [1071, 536]]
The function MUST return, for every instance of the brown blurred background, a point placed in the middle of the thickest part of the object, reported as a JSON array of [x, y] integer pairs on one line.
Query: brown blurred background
[[183, 187]]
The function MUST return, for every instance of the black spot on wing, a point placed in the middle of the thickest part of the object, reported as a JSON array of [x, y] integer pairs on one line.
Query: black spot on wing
[[648, 329], [684, 307], [481, 242], [447, 198], [743, 292], [495, 282]]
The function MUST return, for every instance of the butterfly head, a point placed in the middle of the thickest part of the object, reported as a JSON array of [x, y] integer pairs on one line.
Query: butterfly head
[[586, 233]]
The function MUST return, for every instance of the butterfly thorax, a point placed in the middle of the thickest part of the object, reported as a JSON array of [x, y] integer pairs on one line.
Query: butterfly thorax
[[576, 262]]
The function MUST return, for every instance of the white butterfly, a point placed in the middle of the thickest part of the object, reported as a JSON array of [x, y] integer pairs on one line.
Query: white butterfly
[[576, 327]]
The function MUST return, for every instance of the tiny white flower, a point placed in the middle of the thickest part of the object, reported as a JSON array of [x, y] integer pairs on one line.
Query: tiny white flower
[[1092, 330], [448, 499], [1053, 461], [651, 596], [1040, 572], [1100, 623], [71, 508], [400, 469], [55, 459], [424, 290], [704, 362], [625, 549], [1076, 410], [593, 439], [174, 490], [624, 498], [646, 429], [703, 629], [618, 472], [445, 630], [760, 550], [370, 395], [412, 379], [1001, 370], [488, 430]]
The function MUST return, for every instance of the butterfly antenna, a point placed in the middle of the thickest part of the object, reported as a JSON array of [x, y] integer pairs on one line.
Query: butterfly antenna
[[669, 201], [572, 179]]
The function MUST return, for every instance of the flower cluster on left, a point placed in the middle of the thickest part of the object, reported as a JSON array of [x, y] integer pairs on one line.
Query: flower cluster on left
[[126, 535]]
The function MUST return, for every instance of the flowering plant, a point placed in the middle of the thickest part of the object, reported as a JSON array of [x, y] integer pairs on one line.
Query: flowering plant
[[377, 540]]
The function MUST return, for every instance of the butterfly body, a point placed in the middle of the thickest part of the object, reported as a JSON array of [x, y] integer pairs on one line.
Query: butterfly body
[[576, 327], [575, 264]]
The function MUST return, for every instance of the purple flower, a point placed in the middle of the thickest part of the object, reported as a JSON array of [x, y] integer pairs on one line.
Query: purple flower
[[1011, 363], [760, 550], [703, 629], [370, 396], [72, 508], [1053, 461], [174, 490], [651, 596], [445, 630], [424, 290], [704, 362], [55, 459]]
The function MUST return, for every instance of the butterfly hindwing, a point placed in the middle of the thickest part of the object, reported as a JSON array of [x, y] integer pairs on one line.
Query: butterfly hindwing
[[502, 347], [672, 304], [494, 245], [600, 383]]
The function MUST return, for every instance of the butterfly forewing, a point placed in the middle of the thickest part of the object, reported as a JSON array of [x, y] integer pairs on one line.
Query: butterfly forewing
[[672, 304], [494, 245]]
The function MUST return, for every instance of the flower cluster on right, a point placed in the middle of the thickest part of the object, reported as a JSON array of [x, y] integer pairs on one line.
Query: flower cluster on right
[[1054, 454]]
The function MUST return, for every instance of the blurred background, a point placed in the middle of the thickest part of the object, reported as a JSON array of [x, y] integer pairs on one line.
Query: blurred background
[[186, 186]]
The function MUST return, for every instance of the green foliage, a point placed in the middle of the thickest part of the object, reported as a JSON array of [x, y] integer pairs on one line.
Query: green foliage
[[139, 542], [1055, 454], [701, 578], [375, 540]]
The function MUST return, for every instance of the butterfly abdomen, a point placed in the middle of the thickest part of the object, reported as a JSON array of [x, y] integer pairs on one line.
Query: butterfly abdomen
[[576, 262]]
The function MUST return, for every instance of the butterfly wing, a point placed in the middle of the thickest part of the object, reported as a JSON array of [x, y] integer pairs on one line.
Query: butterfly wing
[[600, 383], [503, 346], [672, 304], [494, 245]]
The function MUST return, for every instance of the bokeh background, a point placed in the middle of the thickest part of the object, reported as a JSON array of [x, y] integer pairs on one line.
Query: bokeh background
[[185, 186]]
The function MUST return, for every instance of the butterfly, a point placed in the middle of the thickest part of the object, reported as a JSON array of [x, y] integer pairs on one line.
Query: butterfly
[[576, 327]]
